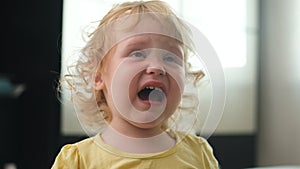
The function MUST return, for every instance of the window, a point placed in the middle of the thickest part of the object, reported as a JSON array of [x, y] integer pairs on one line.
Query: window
[[229, 25]]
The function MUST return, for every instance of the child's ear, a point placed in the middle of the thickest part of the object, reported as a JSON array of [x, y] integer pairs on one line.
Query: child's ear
[[98, 82]]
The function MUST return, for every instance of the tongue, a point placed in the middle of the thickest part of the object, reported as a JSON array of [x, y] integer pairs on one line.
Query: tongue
[[151, 95], [144, 94]]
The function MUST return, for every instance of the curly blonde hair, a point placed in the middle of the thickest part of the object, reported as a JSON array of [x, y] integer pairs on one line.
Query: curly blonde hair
[[94, 55]]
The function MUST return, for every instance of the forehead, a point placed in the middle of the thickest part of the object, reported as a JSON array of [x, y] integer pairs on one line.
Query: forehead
[[145, 29], [152, 41], [146, 23]]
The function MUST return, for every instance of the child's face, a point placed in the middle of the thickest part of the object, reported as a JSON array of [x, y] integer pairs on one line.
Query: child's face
[[143, 79]]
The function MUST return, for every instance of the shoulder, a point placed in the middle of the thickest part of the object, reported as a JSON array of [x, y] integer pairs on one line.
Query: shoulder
[[195, 142], [199, 140], [192, 139], [199, 146], [69, 155], [77, 147]]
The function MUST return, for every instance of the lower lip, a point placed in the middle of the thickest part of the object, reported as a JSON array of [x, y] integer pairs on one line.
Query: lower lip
[[152, 103]]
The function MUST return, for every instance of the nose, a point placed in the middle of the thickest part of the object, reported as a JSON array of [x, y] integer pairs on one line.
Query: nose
[[156, 70], [155, 64]]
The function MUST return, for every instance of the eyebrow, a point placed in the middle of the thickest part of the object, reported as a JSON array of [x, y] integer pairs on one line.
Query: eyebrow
[[140, 41]]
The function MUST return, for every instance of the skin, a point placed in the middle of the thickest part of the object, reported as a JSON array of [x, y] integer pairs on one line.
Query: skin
[[155, 74]]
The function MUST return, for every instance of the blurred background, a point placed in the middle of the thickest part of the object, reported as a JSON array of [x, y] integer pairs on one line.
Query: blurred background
[[257, 42]]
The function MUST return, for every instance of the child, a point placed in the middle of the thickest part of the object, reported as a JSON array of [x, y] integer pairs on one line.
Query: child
[[128, 90]]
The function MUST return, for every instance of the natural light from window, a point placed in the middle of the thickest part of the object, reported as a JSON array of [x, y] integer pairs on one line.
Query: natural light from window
[[225, 24]]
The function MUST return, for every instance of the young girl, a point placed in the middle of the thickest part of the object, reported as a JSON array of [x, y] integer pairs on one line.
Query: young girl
[[128, 88]]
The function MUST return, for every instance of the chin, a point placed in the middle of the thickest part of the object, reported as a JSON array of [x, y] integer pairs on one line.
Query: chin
[[151, 125]]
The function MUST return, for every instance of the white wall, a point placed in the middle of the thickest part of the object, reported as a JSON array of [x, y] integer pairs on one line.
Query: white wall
[[279, 112]]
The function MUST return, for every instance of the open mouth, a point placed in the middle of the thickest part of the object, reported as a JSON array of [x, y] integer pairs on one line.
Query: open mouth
[[151, 93]]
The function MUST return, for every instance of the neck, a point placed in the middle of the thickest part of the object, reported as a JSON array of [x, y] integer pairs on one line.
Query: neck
[[131, 130], [138, 145]]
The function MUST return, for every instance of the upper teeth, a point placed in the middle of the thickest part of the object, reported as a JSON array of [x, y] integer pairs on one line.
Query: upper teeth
[[153, 88]]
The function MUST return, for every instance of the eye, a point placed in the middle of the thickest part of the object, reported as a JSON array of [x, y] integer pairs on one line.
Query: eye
[[169, 58], [172, 59], [137, 54]]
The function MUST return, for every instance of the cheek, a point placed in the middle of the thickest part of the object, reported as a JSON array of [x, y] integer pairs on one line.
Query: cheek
[[176, 78], [177, 84], [124, 83], [175, 92], [175, 97], [118, 75], [133, 87]]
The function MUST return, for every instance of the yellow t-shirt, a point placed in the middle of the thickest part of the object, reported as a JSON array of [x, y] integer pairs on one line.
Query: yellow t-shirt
[[191, 152]]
